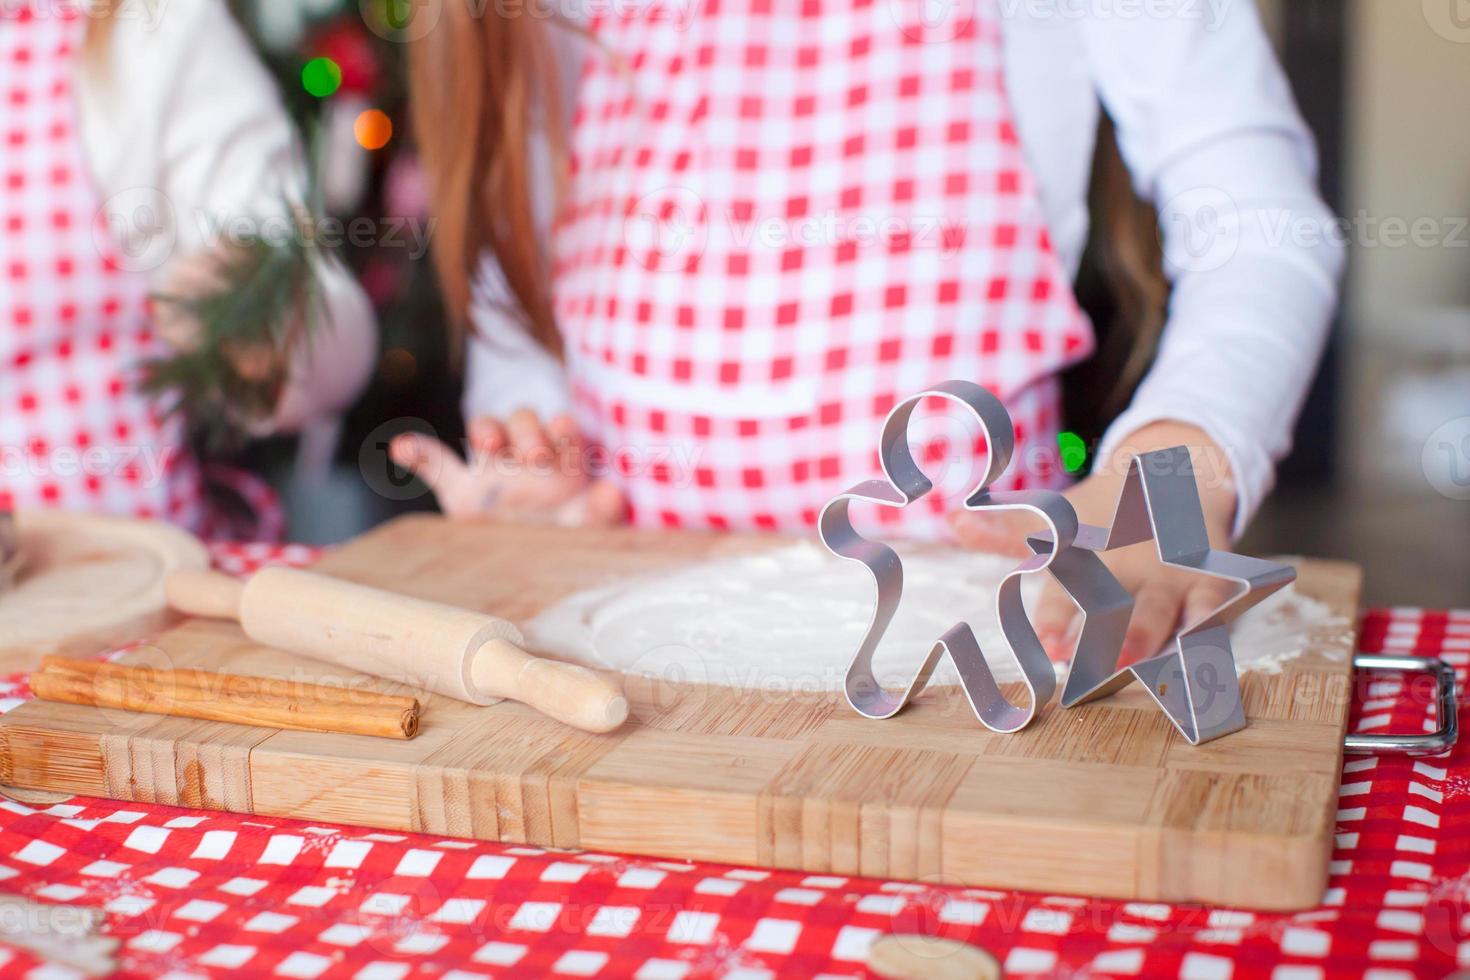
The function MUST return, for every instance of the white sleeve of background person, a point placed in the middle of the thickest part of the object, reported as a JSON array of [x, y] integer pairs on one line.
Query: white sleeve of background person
[[1211, 134], [183, 106]]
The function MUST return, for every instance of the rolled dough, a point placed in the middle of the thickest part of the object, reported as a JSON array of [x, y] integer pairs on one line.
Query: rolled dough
[[86, 581], [790, 619]]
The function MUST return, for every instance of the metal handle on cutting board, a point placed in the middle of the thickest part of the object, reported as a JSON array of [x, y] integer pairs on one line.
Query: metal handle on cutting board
[[1433, 743]]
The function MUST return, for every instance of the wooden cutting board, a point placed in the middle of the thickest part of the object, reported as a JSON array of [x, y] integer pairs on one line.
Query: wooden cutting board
[[1105, 799]]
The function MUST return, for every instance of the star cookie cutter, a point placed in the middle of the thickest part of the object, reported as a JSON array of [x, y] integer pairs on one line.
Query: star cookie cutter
[[1194, 682]]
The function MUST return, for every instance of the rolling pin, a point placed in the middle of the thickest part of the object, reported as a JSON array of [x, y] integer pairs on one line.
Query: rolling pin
[[456, 652]]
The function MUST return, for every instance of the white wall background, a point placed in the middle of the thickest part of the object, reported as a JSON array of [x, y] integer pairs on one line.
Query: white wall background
[[1408, 154], [1407, 308]]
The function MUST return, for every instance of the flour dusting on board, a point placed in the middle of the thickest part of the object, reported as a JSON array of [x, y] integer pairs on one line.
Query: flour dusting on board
[[790, 619]]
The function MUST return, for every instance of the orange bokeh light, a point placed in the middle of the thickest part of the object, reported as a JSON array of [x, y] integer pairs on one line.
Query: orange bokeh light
[[373, 129]]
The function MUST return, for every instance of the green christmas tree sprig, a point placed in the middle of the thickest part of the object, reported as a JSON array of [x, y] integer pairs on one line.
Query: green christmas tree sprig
[[265, 302]]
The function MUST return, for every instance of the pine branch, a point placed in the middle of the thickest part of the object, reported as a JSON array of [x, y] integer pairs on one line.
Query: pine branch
[[267, 300]]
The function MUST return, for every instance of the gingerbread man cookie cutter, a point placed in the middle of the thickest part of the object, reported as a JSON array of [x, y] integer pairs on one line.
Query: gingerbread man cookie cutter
[[1194, 681], [903, 483]]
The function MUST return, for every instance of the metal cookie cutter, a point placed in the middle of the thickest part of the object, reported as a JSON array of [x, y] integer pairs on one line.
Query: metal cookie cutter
[[904, 484], [1195, 681]]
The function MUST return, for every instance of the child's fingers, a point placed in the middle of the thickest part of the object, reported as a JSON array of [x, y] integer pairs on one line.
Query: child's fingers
[[531, 447], [526, 434], [601, 505], [442, 470], [1000, 532], [1054, 617], [1205, 597], [607, 505], [415, 453], [486, 435], [566, 439], [1056, 620], [1156, 607], [563, 430]]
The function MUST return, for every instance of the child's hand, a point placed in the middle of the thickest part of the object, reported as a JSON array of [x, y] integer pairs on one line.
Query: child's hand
[[1164, 596], [518, 469]]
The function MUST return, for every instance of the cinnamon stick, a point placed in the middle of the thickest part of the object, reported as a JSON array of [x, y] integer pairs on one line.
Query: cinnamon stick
[[260, 701]]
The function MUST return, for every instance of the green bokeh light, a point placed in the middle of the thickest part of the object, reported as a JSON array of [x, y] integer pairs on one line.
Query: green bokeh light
[[321, 77], [1074, 451]]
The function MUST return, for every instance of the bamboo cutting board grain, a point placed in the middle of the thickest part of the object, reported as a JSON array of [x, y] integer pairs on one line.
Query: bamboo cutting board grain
[[1105, 799]]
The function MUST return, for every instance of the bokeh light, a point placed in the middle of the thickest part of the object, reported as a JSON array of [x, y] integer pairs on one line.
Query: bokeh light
[[373, 129], [398, 366], [321, 77], [1074, 451]]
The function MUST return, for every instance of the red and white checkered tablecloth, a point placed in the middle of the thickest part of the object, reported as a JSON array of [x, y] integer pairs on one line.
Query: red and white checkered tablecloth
[[199, 893]]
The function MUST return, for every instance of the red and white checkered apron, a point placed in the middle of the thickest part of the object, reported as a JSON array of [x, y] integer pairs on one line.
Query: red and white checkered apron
[[783, 217], [74, 323]]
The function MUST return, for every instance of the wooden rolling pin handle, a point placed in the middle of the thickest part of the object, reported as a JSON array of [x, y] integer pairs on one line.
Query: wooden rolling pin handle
[[571, 694], [196, 592]]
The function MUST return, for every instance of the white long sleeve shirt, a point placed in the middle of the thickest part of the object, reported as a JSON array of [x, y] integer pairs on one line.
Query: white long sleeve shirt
[[184, 133], [1211, 134]]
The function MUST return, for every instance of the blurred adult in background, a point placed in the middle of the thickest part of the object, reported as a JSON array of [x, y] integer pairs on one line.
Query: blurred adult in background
[[138, 145]]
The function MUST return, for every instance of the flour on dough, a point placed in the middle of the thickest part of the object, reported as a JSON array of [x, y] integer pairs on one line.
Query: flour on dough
[[790, 619]]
